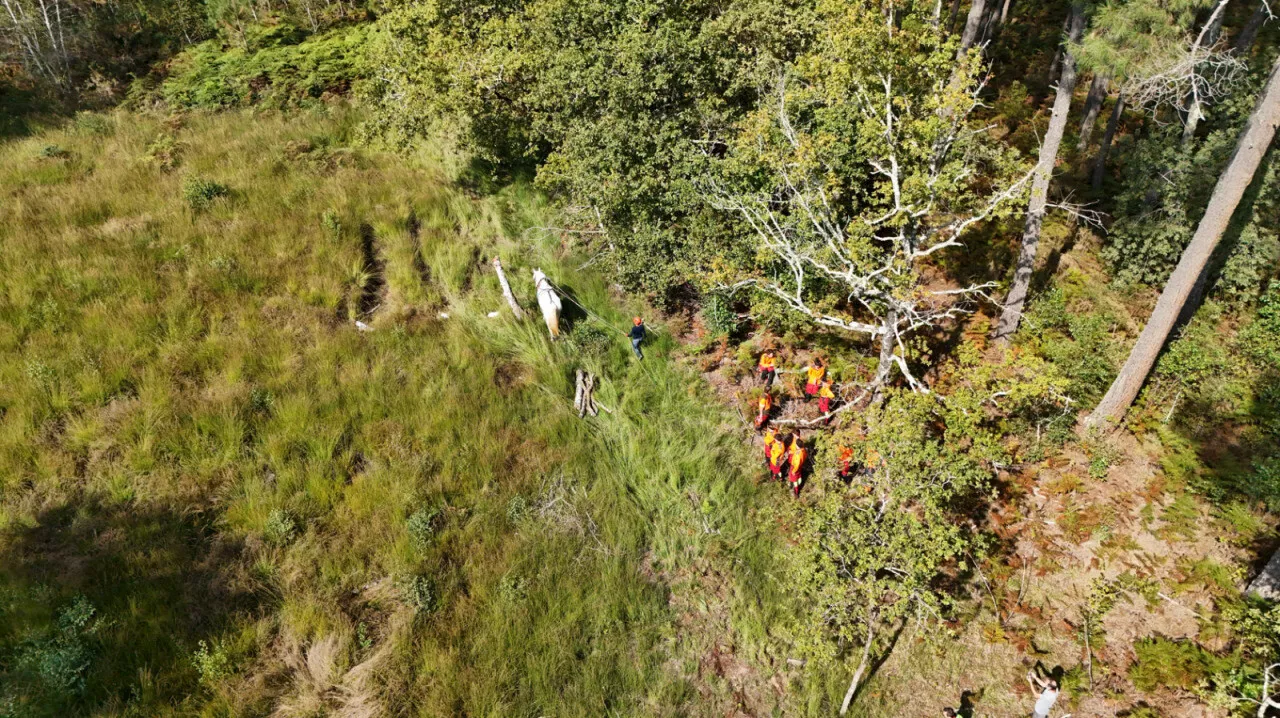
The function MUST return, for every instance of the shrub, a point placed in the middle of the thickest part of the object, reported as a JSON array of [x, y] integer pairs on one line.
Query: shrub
[[212, 665], [421, 526], [718, 316], [164, 152], [517, 508], [278, 69], [332, 224], [418, 593], [92, 123], [1162, 663], [590, 339], [60, 658], [53, 152], [280, 528], [199, 192]]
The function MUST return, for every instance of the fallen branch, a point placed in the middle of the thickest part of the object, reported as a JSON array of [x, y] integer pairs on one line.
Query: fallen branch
[[506, 290]]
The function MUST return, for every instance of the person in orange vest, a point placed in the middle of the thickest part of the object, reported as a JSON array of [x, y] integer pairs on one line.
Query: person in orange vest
[[765, 406], [778, 457], [768, 368], [825, 395], [846, 463], [770, 438], [814, 374], [797, 457]]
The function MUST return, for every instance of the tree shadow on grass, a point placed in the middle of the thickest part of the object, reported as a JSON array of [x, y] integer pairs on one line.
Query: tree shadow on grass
[[158, 581]]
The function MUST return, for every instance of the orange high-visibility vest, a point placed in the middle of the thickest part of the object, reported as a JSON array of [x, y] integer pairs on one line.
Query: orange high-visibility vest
[[776, 453], [766, 403], [826, 392], [770, 438], [816, 373], [798, 455], [846, 455], [767, 361]]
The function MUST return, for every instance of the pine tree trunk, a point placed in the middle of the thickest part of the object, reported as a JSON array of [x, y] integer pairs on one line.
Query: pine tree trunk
[[1226, 197], [1004, 12], [1017, 297], [972, 25], [1092, 105], [1100, 163], [1249, 32]]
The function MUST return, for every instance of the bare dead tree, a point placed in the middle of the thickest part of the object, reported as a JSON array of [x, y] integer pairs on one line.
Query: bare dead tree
[[798, 224]]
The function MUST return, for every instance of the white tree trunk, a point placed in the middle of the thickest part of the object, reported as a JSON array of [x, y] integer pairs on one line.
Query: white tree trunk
[[1222, 204], [862, 666], [1017, 297], [506, 290]]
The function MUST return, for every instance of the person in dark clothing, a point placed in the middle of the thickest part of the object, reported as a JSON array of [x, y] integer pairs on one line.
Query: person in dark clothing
[[637, 336]]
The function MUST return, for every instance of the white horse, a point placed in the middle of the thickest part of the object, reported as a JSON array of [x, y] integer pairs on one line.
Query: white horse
[[548, 302]]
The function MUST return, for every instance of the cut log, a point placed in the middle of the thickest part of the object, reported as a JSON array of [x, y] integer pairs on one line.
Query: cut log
[[506, 290]]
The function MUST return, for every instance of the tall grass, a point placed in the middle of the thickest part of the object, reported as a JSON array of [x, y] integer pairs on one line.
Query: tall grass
[[196, 438]]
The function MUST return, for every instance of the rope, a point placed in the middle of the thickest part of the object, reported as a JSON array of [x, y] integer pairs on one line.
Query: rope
[[589, 313]]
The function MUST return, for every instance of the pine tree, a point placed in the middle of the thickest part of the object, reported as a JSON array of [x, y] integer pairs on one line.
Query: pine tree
[[1231, 186], [1038, 203]]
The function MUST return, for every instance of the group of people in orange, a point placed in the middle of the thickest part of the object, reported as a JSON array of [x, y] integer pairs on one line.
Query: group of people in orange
[[786, 450], [816, 384]]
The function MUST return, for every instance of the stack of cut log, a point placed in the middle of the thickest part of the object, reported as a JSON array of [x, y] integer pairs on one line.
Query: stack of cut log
[[584, 399]]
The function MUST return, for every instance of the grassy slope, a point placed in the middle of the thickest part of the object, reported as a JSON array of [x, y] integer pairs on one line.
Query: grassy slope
[[195, 438]]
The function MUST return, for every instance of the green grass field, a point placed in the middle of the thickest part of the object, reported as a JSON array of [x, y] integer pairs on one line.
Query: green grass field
[[217, 497]]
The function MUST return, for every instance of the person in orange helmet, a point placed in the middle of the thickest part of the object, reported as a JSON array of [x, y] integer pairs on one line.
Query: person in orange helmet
[[637, 335], [814, 373], [764, 406], [768, 368], [795, 474], [846, 463]]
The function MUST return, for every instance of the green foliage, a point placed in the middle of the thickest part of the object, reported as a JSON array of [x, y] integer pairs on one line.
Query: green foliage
[[200, 192], [165, 151], [282, 67], [418, 593], [422, 526], [1102, 456], [94, 123], [590, 339], [213, 665], [1162, 663], [1073, 332], [53, 152], [1166, 190], [871, 553], [48, 668], [280, 528], [718, 316], [613, 99]]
